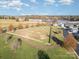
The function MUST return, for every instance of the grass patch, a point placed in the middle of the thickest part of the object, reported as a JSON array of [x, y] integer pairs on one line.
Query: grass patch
[[28, 52]]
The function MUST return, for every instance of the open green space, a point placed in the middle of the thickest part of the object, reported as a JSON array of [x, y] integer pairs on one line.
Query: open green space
[[40, 33], [27, 51]]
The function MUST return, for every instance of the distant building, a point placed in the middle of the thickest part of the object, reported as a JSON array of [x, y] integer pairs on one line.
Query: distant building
[[35, 20], [74, 30]]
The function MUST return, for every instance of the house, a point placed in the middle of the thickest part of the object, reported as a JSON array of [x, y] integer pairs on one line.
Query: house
[[35, 20]]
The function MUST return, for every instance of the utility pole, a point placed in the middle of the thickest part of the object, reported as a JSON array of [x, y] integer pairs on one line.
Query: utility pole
[[50, 34], [50, 29]]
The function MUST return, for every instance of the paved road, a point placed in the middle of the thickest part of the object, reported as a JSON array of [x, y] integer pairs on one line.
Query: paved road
[[59, 42], [77, 49]]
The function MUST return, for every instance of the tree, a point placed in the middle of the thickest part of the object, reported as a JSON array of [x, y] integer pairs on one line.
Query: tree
[[42, 55], [70, 41], [1, 17]]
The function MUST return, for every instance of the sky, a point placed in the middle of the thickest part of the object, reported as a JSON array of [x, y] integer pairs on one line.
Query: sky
[[39, 7]]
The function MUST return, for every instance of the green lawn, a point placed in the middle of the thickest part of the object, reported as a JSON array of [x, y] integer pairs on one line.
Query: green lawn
[[26, 51]]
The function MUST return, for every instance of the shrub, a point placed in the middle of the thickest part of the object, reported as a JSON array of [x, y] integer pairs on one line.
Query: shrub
[[9, 38], [11, 27], [42, 55], [20, 26], [0, 29], [30, 25], [17, 20], [70, 41], [15, 29], [19, 41], [4, 30], [42, 24], [26, 26], [38, 24]]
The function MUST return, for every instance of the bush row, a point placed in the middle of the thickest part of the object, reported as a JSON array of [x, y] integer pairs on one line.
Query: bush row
[[11, 27]]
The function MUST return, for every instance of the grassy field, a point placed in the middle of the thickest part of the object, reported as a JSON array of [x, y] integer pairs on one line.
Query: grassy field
[[31, 49], [7, 22], [26, 51], [40, 33]]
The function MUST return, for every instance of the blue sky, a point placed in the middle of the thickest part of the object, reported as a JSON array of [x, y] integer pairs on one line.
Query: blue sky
[[39, 7]]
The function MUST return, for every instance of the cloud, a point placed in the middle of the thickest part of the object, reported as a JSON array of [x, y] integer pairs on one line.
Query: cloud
[[66, 2], [14, 3], [49, 2], [33, 3], [17, 4]]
